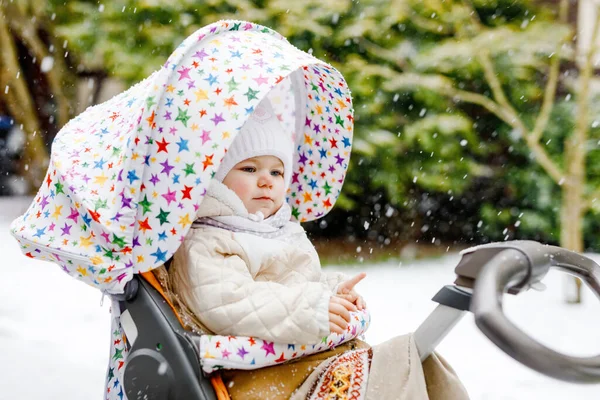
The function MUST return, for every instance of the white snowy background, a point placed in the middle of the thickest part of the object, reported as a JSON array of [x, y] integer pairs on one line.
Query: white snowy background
[[54, 334]]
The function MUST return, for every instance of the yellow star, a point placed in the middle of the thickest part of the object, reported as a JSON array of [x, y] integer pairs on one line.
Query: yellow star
[[208, 355], [96, 260], [170, 88], [185, 220], [226, 135], [194, 127], [85, 241], [140, 259], [308, 139], [101, 179], [57, 211], [200, 95], [319, 109], [82, 271], [341, 104]]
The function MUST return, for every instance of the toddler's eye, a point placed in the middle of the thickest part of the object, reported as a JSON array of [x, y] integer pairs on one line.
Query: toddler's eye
[[248, 169], [276, 173]]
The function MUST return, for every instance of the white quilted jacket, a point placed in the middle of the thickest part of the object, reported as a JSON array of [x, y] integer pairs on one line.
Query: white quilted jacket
[[244, 284]]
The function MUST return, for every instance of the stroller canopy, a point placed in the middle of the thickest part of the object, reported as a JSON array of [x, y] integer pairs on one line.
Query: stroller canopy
[[126, 177]]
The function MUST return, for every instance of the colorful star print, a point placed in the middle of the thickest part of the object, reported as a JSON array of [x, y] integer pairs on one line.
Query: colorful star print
[[126, 176]]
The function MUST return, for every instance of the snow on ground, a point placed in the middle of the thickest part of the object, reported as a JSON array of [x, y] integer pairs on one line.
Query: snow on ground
[[54, 333]]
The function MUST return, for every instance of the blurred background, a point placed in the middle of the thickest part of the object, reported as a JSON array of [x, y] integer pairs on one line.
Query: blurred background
[[476, 120]]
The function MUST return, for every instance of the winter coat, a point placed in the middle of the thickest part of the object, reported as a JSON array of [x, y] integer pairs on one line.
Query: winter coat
[[247, 284]]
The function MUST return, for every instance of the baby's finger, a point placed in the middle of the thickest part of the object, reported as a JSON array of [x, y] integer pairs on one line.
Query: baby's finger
[[338, 320], [340, 310], [351, 297], [345, 303], [333, 328], [360, 303], [350, 283]]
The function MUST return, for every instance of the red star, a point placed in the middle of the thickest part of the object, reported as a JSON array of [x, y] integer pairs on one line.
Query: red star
[[195, 64], [229, 70], [162, 146], [202, 113], [251, 341], [217, 345], [186, 102], [174, 231], [281, 358], [95, 215], [218, 91], [48, 180], [333, 143], [114, 116], [187, 192], [144, 225], [327, 203]]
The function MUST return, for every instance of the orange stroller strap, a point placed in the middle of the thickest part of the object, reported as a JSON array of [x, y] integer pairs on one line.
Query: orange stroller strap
[[151, 279], [215, 379], [219, 386]]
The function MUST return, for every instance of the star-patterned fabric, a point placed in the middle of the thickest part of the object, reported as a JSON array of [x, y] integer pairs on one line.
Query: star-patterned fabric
[[126, 177], [238, 352]]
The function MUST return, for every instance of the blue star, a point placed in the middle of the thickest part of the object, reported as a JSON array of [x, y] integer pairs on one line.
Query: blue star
[[183, 145], [160, 255], [291, 346], [99, 164], [130, 102], [162, 236], [116, 383], [211, 79], [147, 160], [236, 54], [323, 153], [176, 178], [249, 110], [313, 184], [346, 142], [40, 232], [87, 219], [169, 102], [120, 394], [132, 176], [338, 91], [104, 131], [46, 214]]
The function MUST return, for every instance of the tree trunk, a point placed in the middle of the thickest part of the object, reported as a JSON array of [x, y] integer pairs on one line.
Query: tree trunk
[[571, 232], [21, 107]]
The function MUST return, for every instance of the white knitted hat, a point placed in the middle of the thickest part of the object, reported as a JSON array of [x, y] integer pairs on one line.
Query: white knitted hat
[[261, 135]]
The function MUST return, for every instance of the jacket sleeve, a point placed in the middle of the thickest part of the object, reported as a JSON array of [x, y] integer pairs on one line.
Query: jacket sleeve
[[229, 301]]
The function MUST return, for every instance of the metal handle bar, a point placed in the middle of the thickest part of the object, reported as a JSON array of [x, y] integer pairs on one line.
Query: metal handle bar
[[532, 262]]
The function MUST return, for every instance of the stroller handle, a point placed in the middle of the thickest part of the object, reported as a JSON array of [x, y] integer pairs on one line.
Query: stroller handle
[[509, 267]]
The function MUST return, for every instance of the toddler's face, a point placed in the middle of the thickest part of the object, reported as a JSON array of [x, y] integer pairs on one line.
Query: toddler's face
[[259, 183]]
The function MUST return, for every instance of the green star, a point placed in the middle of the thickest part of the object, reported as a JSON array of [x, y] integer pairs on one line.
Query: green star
[[150, 102], [182, 116], [59, 188], [314, 87], [327, 188], [149, 241], [119, 241], [251, 94], [295, 212], [162, 216], [236, 27], [108, 253], [100, 204], [116, 151], [145, 204], [339, 120], [233, 85], [180, 93], [189, 169], [118, 354]]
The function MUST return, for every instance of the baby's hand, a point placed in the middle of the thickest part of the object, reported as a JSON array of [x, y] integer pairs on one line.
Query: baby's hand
[[339, 314], [346, 291]]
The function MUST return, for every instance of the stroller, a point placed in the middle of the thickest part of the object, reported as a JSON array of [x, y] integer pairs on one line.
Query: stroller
[[127, 176]]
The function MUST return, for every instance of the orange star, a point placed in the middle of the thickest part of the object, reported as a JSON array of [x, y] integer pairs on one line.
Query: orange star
[[144, 225], [207, 161]]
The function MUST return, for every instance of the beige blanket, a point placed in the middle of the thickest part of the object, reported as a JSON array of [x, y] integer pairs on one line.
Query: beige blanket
[[397, 373]]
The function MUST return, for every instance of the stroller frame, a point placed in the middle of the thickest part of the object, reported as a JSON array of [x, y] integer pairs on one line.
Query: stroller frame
[[163, 361]]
